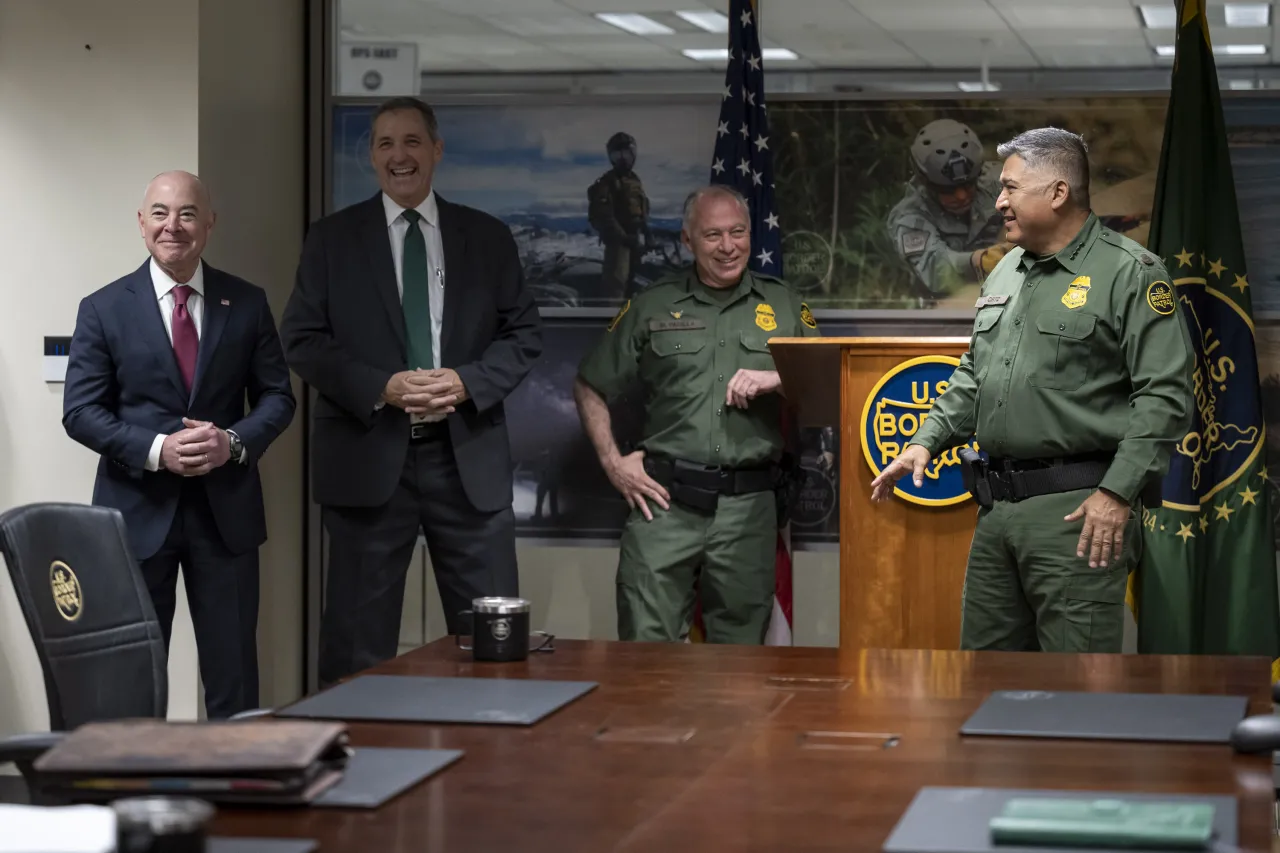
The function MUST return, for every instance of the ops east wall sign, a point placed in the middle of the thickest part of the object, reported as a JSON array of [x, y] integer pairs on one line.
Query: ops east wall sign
[[895, 409]]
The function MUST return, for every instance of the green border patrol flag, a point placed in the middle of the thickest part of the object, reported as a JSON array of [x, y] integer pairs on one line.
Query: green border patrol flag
[[1206, 583]]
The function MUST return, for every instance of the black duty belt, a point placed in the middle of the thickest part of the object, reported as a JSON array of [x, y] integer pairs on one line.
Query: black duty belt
[[700, 486], [1013, 480]]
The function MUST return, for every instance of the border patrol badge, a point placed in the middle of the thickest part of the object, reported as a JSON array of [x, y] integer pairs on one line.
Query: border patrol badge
[[806, 316], [1160, 298], [613, 324], [1077, 292], [765, 318], [896, 407], [67, 597]]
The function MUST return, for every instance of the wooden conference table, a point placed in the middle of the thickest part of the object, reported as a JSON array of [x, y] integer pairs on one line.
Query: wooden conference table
[[721, 748]]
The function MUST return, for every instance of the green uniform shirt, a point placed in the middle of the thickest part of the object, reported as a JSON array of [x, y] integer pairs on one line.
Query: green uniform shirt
[[684, 342], [1080, 352], [938, 244]]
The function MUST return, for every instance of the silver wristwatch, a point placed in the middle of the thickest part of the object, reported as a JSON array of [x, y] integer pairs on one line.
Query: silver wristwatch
[[236, 444]]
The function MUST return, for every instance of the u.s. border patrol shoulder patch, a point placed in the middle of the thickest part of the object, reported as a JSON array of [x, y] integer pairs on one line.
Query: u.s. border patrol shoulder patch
[[914, 242], [613, 324], [1160, 298], [806, 316]]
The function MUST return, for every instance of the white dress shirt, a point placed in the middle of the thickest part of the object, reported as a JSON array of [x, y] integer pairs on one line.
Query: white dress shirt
[[164, 286], [397, 228]]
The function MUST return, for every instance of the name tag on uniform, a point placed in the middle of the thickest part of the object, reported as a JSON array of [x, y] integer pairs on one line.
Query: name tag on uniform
[[984, 301], [668, 325]]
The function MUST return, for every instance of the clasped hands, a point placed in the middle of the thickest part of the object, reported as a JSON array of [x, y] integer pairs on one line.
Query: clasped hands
[[425, 392], [1105, 515], [196, 450]]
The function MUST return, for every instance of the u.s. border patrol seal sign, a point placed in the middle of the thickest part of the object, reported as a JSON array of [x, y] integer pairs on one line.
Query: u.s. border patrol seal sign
[[895, 408], [809, 260], [1227, 430], [65, 586]]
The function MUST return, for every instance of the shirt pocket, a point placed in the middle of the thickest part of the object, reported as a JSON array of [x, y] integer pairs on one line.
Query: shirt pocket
[[675, 358], [1065, 341], [984, 333], [755, 352]]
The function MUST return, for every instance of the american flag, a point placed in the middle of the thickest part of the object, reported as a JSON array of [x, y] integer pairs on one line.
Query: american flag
[[743, 160], [742, 157]]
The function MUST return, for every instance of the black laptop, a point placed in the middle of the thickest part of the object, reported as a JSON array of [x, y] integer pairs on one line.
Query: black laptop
[[1108, 716]]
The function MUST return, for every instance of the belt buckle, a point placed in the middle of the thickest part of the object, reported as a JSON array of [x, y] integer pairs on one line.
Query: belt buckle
[[417, 431]]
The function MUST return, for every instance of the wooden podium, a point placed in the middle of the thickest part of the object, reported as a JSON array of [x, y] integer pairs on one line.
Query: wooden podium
[[901, 563]]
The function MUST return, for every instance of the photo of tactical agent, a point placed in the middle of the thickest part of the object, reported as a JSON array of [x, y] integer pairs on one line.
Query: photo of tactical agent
[[618, 210], [946, 226]]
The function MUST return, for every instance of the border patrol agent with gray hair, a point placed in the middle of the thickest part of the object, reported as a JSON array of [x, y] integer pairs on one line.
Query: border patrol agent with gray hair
[[1077, 385], [946, 226], [712, 439]]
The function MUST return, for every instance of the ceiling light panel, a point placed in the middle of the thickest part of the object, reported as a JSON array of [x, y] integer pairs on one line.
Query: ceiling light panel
[[639, 25], [705, 19], [1247, 14]]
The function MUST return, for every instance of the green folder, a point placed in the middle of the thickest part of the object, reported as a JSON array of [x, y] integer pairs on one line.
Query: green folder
[[1054, 822]]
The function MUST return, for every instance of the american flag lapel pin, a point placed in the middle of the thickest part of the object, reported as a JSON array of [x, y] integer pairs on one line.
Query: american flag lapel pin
[[226, 302]]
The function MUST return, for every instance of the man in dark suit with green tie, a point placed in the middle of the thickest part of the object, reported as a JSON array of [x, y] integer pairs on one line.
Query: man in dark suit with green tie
[[411, 319]]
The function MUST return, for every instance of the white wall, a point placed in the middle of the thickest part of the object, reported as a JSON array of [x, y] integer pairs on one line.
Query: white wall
[[96, 97], [252, 136]]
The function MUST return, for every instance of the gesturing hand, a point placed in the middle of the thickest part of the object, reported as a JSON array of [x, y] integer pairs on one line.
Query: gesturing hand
[[911, 461], [628, 476], [1105, 517]]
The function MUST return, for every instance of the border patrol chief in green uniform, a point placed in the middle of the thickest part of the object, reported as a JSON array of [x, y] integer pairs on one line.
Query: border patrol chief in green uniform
[[946, 226], [698, 343], [1077, 384]]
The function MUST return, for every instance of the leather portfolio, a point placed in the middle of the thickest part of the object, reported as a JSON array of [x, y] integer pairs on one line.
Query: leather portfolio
[[267, 761]]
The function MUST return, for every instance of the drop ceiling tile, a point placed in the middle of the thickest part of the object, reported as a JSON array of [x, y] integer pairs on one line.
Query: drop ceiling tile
[[1082, 41], [959, 16], [1066, 56], [1080, 15], [484, 8], [538, 26], [640, 6], [953, 50]]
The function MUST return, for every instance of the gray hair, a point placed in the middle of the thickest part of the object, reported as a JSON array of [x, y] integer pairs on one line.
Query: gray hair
[[721, 190], [1062, 152]]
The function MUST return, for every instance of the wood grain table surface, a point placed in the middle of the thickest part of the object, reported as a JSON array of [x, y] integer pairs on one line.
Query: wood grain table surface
[[727, 748]]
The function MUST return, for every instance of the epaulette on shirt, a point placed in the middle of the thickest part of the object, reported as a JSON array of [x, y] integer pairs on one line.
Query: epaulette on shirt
[[1130, 247]]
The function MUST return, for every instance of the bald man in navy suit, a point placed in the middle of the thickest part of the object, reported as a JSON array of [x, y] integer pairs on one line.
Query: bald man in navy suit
[[177, 379]]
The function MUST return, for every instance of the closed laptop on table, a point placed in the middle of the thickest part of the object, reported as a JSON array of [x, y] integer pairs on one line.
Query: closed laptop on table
[[1108, 716]]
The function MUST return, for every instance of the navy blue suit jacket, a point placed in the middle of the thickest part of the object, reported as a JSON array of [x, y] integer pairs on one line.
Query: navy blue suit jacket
[[123, 387]]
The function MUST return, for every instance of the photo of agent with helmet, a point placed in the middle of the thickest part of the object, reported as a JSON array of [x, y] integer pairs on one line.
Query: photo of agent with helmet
[[946, 227]]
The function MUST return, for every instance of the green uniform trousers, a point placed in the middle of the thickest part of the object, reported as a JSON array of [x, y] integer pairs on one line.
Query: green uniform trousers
[[729, 553], [1026, 590]]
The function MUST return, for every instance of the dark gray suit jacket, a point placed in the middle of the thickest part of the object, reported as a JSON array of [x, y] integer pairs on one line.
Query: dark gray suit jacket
[[344, 334]]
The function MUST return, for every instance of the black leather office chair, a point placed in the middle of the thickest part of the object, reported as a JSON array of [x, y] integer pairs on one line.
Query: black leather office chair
[[89, 614]]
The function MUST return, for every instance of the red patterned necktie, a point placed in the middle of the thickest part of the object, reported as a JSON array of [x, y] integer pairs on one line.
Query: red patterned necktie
[[186, 343]]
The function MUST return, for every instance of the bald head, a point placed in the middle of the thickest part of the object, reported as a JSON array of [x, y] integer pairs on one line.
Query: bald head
[[178, 180], [175, 220]]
